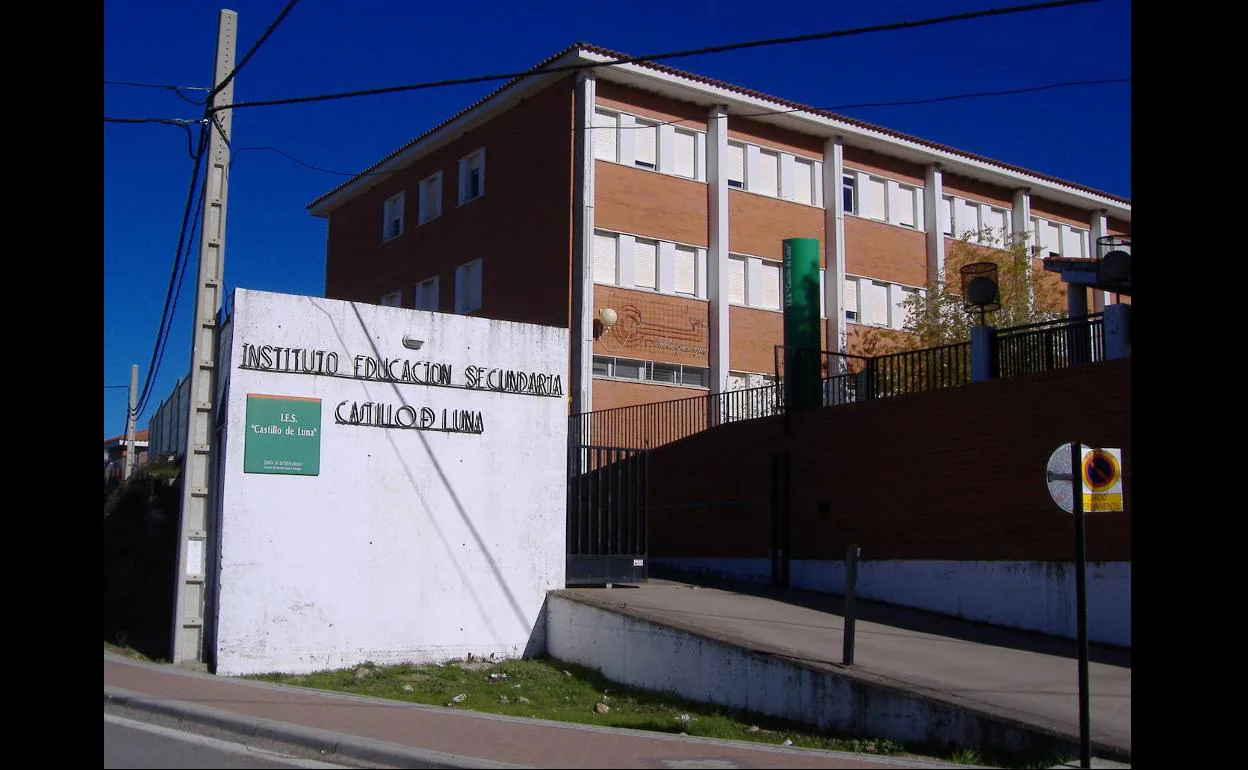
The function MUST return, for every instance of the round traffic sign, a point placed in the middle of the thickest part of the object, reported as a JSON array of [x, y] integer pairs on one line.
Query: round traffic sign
[[1060, 477], [1100, 470]]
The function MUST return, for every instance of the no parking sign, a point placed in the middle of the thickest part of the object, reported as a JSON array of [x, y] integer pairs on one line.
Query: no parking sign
[[1102, 480]]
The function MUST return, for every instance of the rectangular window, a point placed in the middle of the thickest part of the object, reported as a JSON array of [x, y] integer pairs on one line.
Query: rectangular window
[[736, 280], [968, 219], [996, 223], [768, 174], [646, 142], [392, 300], [430, 198], [472, 176], [897, 308], [392, 218], [645, 263], [606, 128], [427, 294], [803, 181], [629, 370], [1052, 235], [875, 303], [906, 201], [946, 215], [736, 165], [849, 193], [695, 376], [666, 373], [602, 366], [769, 278], [851, 299], [1072, 242], [468, 287], [686, 153], [686, 270], [606, 262], [876, 197], [650, 371]]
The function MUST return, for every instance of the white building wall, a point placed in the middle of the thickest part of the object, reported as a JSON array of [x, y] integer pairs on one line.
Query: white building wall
[[410, 545]]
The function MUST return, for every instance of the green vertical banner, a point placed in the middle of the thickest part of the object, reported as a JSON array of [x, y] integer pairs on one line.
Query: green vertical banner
[[283, 435], [802, 356]]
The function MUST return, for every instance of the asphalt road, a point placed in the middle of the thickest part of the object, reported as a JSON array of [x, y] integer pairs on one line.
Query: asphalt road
[[134, 739]]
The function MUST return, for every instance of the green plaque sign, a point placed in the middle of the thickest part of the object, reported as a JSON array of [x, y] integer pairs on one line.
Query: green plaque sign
[[283, 435], [801, 323]]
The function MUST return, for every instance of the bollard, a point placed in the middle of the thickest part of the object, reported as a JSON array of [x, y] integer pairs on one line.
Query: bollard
[[851, 587]]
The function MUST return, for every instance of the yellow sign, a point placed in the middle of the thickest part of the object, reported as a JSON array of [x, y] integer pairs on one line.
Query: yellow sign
[[1102, 480]]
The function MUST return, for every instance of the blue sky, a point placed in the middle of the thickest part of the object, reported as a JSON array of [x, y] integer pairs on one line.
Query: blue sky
[[272, 243]]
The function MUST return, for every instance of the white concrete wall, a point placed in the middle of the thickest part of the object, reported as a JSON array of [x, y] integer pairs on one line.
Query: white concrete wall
[[409, 545], [1034, 596]]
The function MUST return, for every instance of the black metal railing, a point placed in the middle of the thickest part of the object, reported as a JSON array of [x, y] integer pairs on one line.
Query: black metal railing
[[608, 491], [1049, 345], [918, 371]]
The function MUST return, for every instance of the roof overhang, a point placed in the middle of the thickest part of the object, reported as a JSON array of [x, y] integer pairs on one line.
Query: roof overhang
[[1085, 272], [675, 84]]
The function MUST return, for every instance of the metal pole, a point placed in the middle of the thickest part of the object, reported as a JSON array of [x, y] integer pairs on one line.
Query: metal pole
[[192, 565], [130, 417], [851, 589], [1081, 604]]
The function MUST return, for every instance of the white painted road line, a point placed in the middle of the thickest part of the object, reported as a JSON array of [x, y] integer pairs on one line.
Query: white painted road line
[[217, 744]]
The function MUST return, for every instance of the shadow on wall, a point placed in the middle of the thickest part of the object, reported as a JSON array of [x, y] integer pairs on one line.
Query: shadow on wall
[[140, 533]]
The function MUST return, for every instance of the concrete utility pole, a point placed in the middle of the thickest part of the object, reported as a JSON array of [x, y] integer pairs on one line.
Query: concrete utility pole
[[130, 415], [193, 555]]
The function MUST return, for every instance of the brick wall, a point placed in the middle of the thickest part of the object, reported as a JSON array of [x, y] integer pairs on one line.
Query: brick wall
[[953, 475]]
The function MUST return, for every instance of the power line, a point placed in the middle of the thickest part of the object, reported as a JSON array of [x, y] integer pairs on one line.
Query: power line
[[978, 94], [661, 56], [106, 387], [247, 56], [163, 86], [166, 121]]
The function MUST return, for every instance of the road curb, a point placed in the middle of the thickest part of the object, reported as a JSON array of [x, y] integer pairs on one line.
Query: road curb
[[324, 741]]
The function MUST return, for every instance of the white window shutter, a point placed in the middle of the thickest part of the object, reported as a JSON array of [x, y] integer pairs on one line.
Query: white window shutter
[[606, 126], [946, 215], [770, 274], [803, 181], [646, 148], [645, 263], [996, 220], [1052, 239], [768, 174], [851, 295], [736, 163], [686, 270], [1072, 245], [905, 206], [875, 203], [876, 303], [686, 153], [736, 280], [605, 265]]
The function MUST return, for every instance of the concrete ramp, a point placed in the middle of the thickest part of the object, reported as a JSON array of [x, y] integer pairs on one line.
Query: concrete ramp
[[918, 678]]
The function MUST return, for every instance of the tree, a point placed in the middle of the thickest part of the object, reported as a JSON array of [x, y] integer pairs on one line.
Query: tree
[[939, 316]]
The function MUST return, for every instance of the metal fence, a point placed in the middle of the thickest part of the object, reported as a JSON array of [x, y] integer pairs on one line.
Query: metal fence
[[608, 489], [1043, 347], [918, 371]]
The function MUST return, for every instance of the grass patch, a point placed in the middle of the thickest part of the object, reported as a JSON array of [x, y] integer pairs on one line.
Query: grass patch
[[546, 688], [128, 652]]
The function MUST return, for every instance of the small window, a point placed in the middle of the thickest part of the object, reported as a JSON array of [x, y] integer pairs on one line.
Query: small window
[[468, 287], [430, 198], [768, 168], [602, 366], [947, 215], [666, 373], [645, 263], [849, 193], [736, 280], [851, 299], [472, 176], [606, 128], [686, 270], [605, 258], [646, 142], [393, 300], [628, 370], [427, 294], [769, 278], [695, 376], [803, 181], [907, 200], [686, 153], [877, 193], [736, 165], [392, 218]]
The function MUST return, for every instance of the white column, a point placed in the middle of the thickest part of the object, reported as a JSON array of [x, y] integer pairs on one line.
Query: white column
[[1021, 222], [834, 245], [717, 253], [666, 278], [582, 258], [1099, 228], [933, 192]]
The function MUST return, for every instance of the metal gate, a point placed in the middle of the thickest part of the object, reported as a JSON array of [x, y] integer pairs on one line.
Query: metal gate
[[608, 496]]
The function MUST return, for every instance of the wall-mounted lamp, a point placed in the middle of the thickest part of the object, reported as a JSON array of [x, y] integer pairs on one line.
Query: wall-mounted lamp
[[605, 320], [412, 343]]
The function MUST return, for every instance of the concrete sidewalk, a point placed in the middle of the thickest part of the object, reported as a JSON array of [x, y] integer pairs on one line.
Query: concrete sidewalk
[[1017, 676], [405, 735]]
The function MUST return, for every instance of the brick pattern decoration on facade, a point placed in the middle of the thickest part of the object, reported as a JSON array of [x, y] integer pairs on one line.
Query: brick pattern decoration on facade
[[949, 475]]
